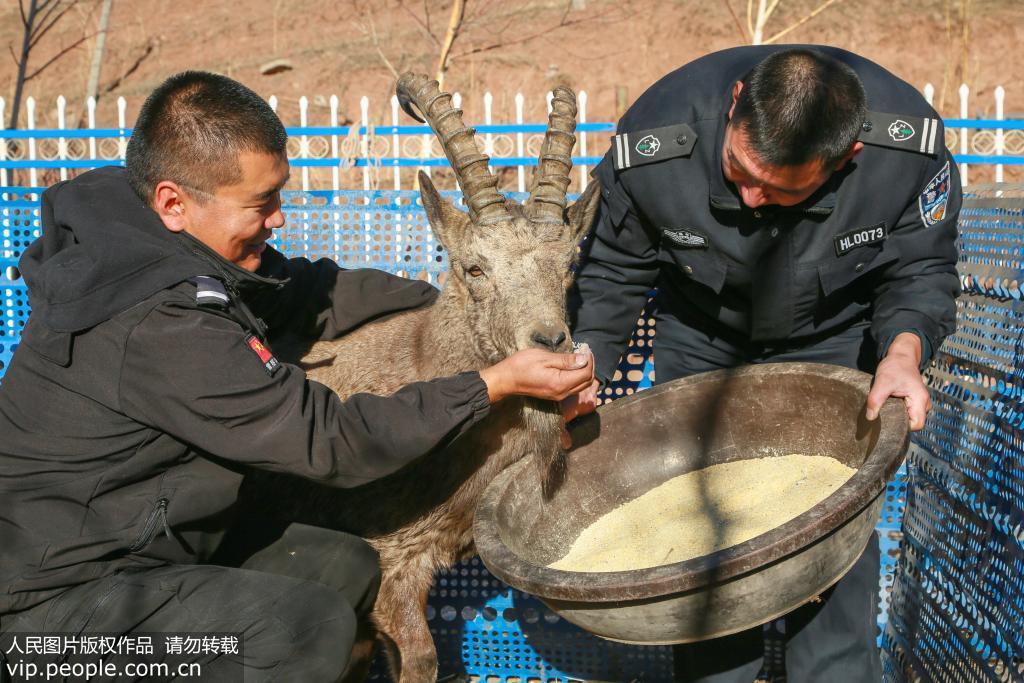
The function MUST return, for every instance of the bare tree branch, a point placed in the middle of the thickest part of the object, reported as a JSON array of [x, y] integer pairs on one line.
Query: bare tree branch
[[568, 8], [47, 10], [804, 20], [45, 28], [369, 29], [60, 54], [380, 52], [424, 28], [736, 20], [532, 36], [150, 46], [454, 26], [21, 10]]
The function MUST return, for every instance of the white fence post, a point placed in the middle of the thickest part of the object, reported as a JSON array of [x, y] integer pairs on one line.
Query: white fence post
[[519, 142], [304, 142], [929, 93], [3, 148], [90, 106], [30, 114], [272, 101], [1000, 97], [488, 121], [62, 144], [583, 139], [364, 151], [336, 171], [964, 93], [122, 106], [396, 152], [335, 182], [364, 139], [396, 147]]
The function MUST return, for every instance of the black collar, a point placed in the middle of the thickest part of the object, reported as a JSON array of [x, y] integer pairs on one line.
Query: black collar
[[230, 274]]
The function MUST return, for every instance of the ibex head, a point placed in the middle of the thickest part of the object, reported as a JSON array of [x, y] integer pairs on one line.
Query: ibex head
[[510, 262]]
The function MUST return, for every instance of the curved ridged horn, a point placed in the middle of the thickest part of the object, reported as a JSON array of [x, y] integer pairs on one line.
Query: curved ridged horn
[[479, 186], [551, 179]]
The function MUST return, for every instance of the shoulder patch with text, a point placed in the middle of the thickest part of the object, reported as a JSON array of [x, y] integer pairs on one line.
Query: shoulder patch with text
[[686, 238], [270, 363], [934, 197], [860, 237]]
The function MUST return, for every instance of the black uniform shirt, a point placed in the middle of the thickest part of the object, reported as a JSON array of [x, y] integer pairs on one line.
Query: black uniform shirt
[[875, 242]]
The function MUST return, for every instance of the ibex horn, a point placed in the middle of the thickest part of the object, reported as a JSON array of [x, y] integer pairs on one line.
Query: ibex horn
[[479, 186], [551, 179]]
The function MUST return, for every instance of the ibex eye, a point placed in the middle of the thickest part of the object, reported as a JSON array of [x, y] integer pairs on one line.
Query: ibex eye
[[475, 271]]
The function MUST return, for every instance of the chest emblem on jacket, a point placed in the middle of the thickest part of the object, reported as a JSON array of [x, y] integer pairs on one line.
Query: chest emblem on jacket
[[648, 146], [860, 237], [270, 364], [686, 238], [900, 130]]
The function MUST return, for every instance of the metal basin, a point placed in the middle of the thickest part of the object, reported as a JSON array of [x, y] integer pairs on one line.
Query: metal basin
[[636, 443]]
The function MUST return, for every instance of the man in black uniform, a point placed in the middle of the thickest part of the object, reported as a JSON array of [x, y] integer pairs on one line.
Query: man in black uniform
[[144, 387], [789, 204]]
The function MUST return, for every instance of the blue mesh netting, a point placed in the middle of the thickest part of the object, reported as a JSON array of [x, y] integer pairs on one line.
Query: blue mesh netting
[[958, 596]]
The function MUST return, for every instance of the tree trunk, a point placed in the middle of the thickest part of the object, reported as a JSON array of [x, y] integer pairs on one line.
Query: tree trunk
[[97, 56], [454, 24], [22, 64]]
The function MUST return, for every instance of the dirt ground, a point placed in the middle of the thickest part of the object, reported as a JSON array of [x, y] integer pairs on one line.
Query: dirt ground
[[613, 49]]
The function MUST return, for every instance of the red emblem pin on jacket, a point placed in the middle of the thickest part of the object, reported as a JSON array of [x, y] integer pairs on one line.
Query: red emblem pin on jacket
[[270, 364]]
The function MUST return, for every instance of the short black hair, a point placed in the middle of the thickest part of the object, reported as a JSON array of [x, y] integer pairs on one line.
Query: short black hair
[[191, 130], [799, 105]]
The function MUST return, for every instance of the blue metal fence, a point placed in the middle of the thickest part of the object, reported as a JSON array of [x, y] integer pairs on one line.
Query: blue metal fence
[[366, 157]]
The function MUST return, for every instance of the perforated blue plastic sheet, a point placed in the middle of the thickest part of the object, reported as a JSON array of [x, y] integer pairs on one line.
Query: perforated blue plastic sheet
[[954, 581], [958, 598]]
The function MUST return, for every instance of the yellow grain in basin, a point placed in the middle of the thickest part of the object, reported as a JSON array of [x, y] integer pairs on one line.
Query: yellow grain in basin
[[704, 511]]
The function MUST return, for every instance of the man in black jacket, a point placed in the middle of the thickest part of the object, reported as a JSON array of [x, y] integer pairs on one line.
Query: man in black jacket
[[144, 387], [789, 204]]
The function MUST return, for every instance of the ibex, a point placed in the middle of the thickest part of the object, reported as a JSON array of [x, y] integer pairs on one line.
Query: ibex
[[509, 267]]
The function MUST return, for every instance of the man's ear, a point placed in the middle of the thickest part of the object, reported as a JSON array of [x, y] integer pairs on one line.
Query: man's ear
[[169, 204], [580, 214], [448, 223], [737, 88], [854, 151]]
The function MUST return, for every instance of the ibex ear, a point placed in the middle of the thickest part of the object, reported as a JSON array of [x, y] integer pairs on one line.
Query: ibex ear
[[448, 223], [580, 214]]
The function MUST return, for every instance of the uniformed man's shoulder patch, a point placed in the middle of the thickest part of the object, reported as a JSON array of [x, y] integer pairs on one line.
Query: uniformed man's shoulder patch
[[210, 292], [933, 199], [270, 363], [642, 147], [902, 131]]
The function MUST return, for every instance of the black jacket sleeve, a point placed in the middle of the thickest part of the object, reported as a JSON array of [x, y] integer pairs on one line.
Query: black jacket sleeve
[[324, 301], [192, 374], [918, 292], [619, 268]]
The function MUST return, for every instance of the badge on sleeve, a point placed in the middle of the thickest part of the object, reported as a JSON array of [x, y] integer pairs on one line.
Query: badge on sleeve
[[934, 197], [270, 364]]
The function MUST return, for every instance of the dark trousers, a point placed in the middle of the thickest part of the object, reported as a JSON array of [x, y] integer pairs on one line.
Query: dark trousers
[[830, 640], [294, 594]]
